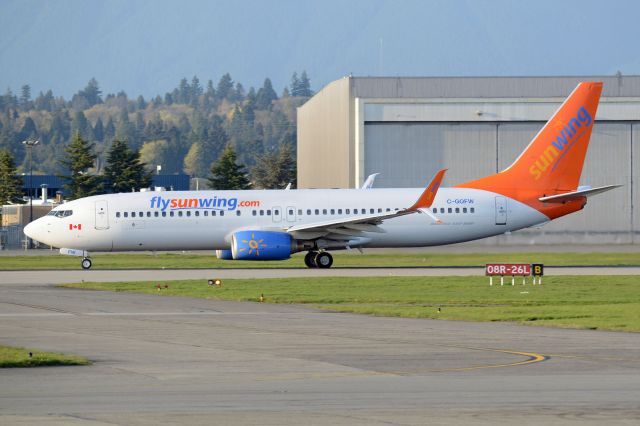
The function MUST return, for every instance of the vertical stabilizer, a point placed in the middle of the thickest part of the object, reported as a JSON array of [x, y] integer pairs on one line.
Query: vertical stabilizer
[[552, 163]]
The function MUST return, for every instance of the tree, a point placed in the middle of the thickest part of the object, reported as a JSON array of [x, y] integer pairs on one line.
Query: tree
[[275, 170], [305, 85], [225, 87], [154, 153], [92, 93], [25, 98], [78, 159], [295, 84], [192, 161], [124, 172], [10, 184], [265, 95], [208, 143], [226, 173]]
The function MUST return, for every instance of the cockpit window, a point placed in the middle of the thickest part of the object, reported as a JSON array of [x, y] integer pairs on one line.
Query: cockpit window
[[60, 213]]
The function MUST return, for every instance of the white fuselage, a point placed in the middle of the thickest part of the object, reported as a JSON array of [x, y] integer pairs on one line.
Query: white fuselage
[[205, 220]]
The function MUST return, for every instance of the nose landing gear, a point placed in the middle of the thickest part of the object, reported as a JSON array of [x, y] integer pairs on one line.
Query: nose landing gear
[[314, 259]]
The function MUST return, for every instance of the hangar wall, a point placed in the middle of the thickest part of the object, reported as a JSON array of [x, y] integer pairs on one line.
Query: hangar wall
[[406, 129]]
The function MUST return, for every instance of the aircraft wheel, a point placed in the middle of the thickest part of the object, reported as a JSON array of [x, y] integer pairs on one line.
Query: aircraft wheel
[[310, 259], [324, 260], [86, 263]]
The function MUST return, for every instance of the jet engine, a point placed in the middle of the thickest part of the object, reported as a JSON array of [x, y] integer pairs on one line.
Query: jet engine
[[261, 245], [224, 254]]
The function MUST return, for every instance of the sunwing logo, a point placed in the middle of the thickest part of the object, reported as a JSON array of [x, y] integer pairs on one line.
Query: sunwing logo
[[558, 148], [209, 203]]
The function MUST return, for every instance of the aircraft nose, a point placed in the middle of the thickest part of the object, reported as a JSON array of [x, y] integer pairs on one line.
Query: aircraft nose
[[33, 230]]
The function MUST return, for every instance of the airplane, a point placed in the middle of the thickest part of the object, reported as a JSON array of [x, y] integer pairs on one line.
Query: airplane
[[541, 185]]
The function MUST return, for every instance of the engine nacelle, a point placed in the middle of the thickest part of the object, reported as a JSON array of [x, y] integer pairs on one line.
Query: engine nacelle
[[224, 254], [261, 245]]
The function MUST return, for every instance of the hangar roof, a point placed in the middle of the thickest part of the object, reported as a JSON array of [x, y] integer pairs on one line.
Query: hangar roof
[[487, 87]]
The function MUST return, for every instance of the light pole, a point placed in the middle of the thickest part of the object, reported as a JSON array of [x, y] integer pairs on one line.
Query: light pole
[[30, 145]]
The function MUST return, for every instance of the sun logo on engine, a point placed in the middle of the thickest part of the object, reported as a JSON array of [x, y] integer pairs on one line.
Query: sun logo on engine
[[254, 245]]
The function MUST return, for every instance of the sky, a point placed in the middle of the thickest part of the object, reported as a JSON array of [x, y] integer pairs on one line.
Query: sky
[[145, 47]]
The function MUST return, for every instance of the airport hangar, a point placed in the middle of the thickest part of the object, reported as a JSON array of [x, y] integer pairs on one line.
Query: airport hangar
[[406, 128]]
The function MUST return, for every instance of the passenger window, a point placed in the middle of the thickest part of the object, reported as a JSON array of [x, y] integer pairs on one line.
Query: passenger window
[[164, 214], [464, 210], [238, 213], [171, 214], [126, 214], [213, 213], [155, 214], [133, 214], [188, 213], [364, 211], [268, 212], [435, 210], [117, 214], [449, 210], [333, 211], [317, 212], [339, 211], [206, 213], [141, 214], [441, 209], [379, 210], [148, 214], [324, 211], [372, 211], [473, 210], [347, 211], [290, 212], [261, 212], [197, 214], [254, 213], [180, 214], [457, 209], [299, 212], [221, 213], [388, 209], [308, 212]]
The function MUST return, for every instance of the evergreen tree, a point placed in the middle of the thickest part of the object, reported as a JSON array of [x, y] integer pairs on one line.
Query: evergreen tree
[[124, 172], [275, 170], [226, 173], [225, 87], [81, 124], [78, 159], [98, 130], [295, 85], [25, 98], [92, 93], [10, 184], [305, 85], [265, 95]]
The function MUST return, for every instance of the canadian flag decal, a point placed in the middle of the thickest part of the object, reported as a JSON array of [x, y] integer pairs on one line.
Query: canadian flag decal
[[72, 227]]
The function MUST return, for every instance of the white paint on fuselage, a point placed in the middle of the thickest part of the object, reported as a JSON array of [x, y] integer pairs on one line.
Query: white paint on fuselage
[[213, 232]]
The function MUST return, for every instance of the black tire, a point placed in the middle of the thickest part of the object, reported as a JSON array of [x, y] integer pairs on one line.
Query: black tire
[[86, 263], [310, 259], [324, 260]]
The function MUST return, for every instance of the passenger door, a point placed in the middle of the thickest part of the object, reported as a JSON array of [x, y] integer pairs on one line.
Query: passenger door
[[291, 214], [102, 215]]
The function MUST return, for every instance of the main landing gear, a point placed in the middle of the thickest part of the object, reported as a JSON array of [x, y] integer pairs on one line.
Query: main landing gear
[[314, 259], [86, 263]]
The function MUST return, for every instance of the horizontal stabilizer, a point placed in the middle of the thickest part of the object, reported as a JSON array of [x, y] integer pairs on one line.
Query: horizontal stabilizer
[[561, 198]]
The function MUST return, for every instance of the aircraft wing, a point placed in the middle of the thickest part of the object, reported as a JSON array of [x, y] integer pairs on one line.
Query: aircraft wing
[[349, 228], [561, 198]]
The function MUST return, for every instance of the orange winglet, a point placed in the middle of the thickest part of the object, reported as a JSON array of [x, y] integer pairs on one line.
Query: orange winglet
[[429, 194]]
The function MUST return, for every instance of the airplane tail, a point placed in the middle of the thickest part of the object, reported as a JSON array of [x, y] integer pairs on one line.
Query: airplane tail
[[552, 163]]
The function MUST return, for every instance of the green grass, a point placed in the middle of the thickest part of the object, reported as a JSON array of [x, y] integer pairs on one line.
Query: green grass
[[341, 259], [590, 302], [19, 357]]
